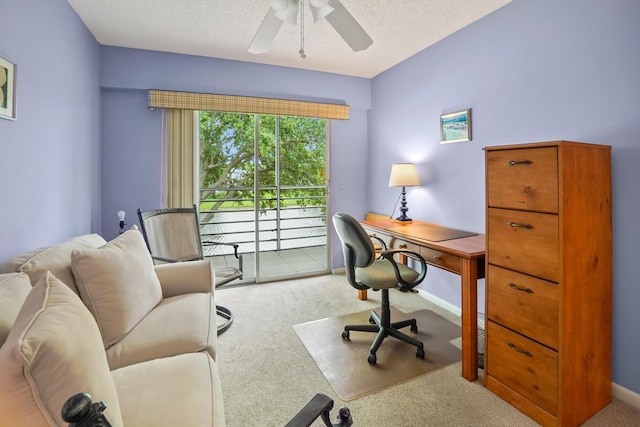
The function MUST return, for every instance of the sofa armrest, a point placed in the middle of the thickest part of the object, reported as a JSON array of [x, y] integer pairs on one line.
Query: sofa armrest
[[185, 277]]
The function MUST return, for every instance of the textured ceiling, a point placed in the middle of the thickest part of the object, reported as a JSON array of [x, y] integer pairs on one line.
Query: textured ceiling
[[225, 28]]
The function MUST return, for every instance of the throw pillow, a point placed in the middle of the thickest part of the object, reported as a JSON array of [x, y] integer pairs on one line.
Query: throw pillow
[[56, 258], [53, 352], [14, 288], [118, 283]]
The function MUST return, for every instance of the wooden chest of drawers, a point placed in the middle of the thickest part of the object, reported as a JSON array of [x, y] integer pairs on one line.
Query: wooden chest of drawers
[[548, 282]]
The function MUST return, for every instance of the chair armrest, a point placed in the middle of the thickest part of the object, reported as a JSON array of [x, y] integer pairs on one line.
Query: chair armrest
[[80, 411], [185, 277], [382, 243], [403, 284], [319, 406], [216, 243]]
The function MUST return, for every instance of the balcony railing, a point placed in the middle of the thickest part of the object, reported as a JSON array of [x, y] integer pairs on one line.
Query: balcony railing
[[290, 217]]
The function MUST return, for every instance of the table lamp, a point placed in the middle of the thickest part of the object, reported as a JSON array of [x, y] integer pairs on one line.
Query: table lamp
[[404, 175]]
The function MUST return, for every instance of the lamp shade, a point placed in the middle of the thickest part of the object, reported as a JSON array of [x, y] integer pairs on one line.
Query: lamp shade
[[404, 175]]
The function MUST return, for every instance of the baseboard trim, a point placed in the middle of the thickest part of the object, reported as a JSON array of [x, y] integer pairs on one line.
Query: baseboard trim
[[619, 392], [626, 395], [440, 302], [340, 270]]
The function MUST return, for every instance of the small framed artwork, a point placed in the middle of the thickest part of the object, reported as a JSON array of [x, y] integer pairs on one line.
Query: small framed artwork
[[7, 89], [455, 127]]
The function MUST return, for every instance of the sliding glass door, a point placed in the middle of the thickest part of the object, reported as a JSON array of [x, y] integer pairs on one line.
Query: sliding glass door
[[263, 185]]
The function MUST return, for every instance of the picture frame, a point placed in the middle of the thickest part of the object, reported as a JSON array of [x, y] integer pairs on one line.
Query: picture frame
[[455, 127], [7, 89]]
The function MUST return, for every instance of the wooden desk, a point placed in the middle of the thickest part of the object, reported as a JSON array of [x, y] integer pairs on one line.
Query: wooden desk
[[463, 256]]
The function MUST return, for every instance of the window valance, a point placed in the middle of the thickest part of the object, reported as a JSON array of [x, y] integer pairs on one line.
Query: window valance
[[245, 104]]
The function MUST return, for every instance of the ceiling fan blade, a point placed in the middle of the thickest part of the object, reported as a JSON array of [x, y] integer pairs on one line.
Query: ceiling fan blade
[[266, 33], [347, 26]]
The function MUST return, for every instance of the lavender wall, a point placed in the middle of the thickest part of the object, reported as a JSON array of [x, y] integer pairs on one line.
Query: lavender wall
[[49, 157], [132, 134], [535, 70]]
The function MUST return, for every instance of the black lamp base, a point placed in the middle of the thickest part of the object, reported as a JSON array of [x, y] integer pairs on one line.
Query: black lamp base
[[403, 208]]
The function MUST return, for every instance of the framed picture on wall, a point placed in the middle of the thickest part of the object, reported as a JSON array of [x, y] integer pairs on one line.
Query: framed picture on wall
[[7, 89], [455, 127]]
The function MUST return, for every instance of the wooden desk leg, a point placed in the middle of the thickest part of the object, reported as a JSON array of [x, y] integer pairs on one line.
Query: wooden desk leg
[[362, 294], [470, 319]]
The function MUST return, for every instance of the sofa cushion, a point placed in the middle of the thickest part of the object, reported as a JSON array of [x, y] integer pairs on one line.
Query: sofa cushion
[[180, 324], [14, 288], [53, 351], [118, 283], [56, 258], [182, 390]]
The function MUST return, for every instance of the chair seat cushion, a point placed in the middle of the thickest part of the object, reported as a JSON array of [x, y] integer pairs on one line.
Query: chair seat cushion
[[180, 324], [381, 275], [182, 390]]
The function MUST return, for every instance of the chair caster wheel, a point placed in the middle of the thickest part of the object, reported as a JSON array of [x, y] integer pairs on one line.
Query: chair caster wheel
[[345, 335], [420, 353], [414, 329], [372, 359], [371, 321]]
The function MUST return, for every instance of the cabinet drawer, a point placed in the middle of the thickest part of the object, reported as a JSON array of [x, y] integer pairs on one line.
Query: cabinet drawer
[[523, 241], [446, 261], [524, 304], [525, 178], [526, 367]]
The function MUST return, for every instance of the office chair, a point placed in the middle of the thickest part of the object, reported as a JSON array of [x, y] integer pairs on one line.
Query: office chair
[[173, 235], [364, 271]]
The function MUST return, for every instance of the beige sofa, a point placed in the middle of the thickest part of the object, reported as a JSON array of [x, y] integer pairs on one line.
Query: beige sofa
[[98, 317]]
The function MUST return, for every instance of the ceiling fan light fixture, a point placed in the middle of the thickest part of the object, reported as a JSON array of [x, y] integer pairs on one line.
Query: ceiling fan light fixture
[[333, 11], [286, 10], [319, 9]]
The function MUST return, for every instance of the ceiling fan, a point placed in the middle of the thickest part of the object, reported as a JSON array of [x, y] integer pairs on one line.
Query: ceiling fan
[[333, 11]]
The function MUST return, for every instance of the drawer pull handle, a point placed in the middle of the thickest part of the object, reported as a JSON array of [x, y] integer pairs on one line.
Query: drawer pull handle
[[436, 257], [514, 348], [402, 246], [518, 288], [515, 224], [522, 162]]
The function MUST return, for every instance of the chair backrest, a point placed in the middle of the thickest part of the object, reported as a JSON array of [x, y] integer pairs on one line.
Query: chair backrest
[[357, 246], [172, 234]]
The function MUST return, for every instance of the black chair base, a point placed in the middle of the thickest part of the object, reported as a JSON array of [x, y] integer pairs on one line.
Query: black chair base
[[225, 275], [382, 325], [226, 314]]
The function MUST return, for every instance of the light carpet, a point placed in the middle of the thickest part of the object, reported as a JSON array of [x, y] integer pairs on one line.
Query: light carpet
[[267, 374], [344, 363]]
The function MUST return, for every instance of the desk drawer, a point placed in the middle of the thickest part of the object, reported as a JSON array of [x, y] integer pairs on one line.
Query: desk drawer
[[441, 259], [526, 367], [525, 178], [385, 238], [403, 244], [524, 304], [524, 241]]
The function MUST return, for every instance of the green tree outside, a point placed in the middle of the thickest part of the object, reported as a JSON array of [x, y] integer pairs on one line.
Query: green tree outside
[[227, 160]]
